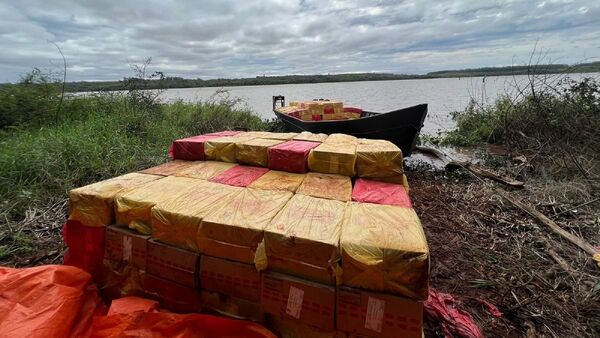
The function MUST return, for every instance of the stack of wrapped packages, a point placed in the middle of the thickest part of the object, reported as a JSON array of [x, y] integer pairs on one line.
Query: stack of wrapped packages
[[320, 110], [309, 234]]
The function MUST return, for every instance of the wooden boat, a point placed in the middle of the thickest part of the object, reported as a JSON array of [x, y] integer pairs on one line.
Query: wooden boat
[[401, 126]]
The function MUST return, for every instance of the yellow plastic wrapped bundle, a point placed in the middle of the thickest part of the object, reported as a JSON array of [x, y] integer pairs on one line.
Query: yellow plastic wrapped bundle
[[281, 136], [92, 205], [295, 104], [303, 239], [169, 168], [384, 249], [335, 187], [234, 228], [254, 134], [379, 160], [254, 152], [205, 170], [308, 136], [224, 148], [133, 207], [278, 180], [341, 139], [176, 221], [335, 158]]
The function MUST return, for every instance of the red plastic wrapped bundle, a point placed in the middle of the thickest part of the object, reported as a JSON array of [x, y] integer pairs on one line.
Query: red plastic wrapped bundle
[[192, 148], [380, 193], [291, 156], [240, 175], [86, 247]]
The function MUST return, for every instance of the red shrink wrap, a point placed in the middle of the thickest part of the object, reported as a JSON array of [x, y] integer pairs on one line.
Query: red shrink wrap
[[376, 192], [291, 156], [240, 176]]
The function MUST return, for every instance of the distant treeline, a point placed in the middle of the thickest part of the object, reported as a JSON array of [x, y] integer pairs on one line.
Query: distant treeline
[[179, 82]]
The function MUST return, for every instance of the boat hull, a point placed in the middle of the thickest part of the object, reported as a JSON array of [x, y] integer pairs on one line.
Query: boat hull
[[400, 127]]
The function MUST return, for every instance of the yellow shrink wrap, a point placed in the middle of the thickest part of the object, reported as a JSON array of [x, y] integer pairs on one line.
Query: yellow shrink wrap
[[379, 160], [341, 138], [308, 136], [278, 180], [176, 221], [254, 134], [254, 152], [303, 239], [169, 168], [234, 228], [224, 148], [205, 170], [133, 207], [294, 103], [384, 249], [335, 158], [335, 187], [281, 136], [92, 205]]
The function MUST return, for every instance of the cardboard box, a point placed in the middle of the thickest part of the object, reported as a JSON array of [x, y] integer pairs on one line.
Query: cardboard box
[[333, 158], [133, 208], [240, 175], [93, 205], [224, 148], [286, 329], [205, 170], [278, 180], [172, 296], [177, 221], [254, 152], [225, 305], [368, 191], [86, 247], [379, 160], [298, 301], [169, 168], [303, 239], [378, 315], [120, 279], [231, 278], [124, 245], [334, 187], [308, 136], [234, 229], [291, 156], [171, 263], [384, 249]]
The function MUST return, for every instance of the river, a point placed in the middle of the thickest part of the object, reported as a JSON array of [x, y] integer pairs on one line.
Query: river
[[443, 95]]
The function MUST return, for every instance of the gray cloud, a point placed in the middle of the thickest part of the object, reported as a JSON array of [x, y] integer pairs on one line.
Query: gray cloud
[[227, 38]]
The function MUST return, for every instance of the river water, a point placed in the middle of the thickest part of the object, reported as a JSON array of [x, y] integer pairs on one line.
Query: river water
[[443, 95]]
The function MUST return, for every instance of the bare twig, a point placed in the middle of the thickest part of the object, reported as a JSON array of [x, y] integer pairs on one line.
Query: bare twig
[[62, 90]]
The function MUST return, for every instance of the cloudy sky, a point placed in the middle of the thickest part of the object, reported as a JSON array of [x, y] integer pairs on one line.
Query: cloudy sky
[[227, 38]]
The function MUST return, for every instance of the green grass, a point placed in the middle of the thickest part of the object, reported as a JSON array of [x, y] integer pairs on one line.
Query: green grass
[[96, 138]]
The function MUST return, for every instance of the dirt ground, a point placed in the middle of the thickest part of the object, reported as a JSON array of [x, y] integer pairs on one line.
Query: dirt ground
[[482, 249]]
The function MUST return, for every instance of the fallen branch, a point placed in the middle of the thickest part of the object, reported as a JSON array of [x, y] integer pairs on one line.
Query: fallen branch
[[585, 246]]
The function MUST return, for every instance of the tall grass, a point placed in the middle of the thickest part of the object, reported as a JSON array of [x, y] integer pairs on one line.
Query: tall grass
[[98, 137]]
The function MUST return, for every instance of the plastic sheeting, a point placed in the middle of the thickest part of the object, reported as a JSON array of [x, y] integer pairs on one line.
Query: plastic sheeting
[[443, 308], [86, 247], [133, 207], [335, 187], [278, 180], [240, 176], [308, 136], [341, 139], [234, 229], [169, 168], [191, 148], [380, 193], [303, 238], [92, 204], [291, 156], [334, 158], [177, 221], [205, 170], [121, 279], [282, 136], [59, 301], [379, 160], [384, 249], [255, 152], [224, 148]]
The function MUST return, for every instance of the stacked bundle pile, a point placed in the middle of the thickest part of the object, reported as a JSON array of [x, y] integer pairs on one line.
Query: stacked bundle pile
[[312, 235], [320, 110]]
